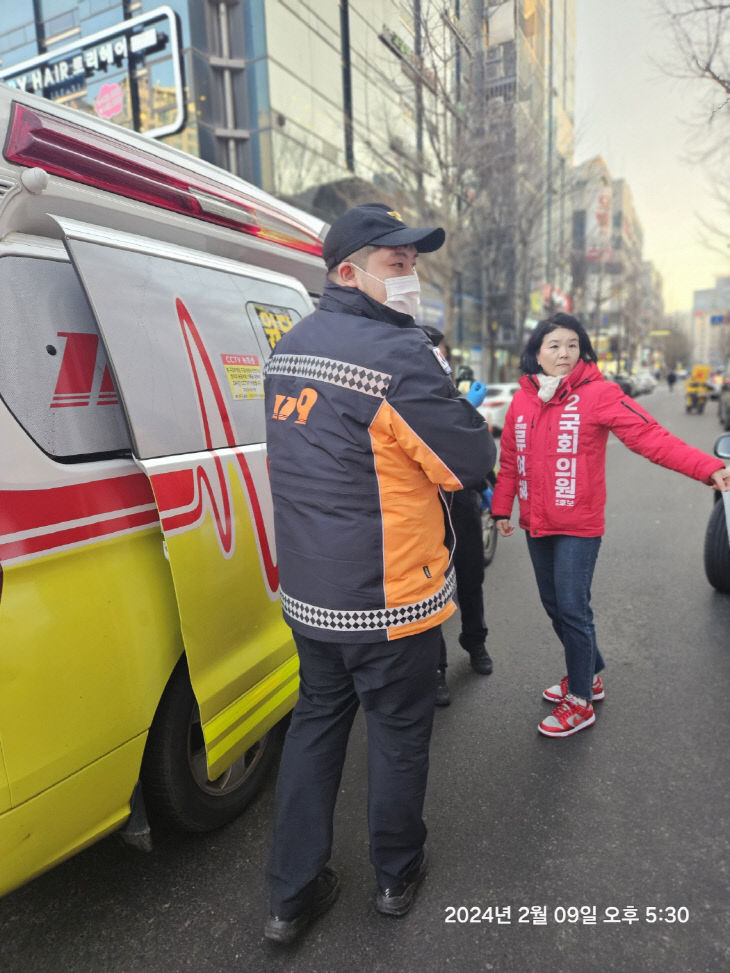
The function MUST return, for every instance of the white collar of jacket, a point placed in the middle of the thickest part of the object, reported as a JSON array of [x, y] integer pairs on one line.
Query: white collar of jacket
[[584, 371]]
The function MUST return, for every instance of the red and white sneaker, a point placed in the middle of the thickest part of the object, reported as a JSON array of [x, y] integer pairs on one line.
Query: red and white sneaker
[[555, 694], [567, 718]]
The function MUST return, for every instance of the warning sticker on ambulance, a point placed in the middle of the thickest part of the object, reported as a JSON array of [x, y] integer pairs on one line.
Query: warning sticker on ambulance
[[275, 321], [244, 376]]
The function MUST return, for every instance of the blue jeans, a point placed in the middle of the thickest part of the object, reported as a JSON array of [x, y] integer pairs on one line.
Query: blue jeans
[[564, 572]]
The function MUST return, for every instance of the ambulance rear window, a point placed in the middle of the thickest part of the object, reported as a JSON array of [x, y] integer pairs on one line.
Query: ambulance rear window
[[54, 375]]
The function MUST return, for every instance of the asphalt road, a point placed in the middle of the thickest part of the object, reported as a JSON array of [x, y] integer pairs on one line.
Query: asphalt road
[[630, 815]]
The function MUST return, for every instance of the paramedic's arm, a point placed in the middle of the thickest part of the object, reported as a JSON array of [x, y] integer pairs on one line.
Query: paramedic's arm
[[438, 427]]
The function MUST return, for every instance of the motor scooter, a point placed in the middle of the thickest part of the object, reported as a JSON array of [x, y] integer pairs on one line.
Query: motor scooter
[[717, 535], [696, 388]]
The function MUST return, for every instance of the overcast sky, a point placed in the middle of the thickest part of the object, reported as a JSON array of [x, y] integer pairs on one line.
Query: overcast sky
[[633, 114]]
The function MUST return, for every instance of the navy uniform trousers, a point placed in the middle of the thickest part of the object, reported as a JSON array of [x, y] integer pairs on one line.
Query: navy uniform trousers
[[466, 519], [394, 682]]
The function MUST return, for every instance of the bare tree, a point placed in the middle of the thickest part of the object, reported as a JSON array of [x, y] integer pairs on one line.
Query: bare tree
[[632, 325], [456, 166], [599, 289], [478, 172], [701, 32], [492, 244], [424, 170], [715, 234], [675, 345]]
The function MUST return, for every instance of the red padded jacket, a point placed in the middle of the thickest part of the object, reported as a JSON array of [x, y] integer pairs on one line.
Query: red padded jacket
[[553, 455]]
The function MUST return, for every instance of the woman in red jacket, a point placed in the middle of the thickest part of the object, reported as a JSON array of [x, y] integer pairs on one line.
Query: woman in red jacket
[[552, 457]]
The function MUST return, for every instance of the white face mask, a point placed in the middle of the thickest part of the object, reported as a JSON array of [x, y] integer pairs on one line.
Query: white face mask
[[401, 293]]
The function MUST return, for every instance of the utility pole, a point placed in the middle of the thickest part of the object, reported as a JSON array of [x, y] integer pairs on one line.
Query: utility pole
[[549, 160]]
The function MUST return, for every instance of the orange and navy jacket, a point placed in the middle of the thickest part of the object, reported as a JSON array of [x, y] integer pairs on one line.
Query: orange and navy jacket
[[553, 454], [364, 429]]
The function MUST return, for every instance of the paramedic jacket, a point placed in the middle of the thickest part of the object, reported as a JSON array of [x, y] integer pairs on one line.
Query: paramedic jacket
[[364, 426]]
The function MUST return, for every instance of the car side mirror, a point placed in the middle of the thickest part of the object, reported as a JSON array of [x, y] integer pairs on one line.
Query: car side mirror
[[722, 447]]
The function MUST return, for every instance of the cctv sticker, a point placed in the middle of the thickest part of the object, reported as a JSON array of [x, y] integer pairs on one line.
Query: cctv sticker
[[244, 376]]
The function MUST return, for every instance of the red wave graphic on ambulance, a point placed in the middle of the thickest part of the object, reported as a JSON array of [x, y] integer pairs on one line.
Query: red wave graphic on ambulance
[[37, 522], [185, 495]]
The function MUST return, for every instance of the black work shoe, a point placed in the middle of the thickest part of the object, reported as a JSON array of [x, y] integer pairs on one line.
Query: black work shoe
[[326, 888], [443, 696], [398, 900], [481, 661]]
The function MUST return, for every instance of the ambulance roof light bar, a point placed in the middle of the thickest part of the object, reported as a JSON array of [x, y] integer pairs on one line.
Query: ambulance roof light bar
[[65, 149]]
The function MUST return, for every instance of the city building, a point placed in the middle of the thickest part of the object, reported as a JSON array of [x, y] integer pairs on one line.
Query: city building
[[528, 82], [652, 286], [331, 104], [614, 290], [323, 104], [710, 324], [359, 101], [627, 242], [593, 291], [653, 322]]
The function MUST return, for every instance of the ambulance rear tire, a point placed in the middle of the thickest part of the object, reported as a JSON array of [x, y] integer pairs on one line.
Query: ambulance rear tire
[[174, 773]]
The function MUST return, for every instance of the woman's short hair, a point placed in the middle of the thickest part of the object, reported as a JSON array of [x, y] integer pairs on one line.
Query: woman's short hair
[[528, 361]]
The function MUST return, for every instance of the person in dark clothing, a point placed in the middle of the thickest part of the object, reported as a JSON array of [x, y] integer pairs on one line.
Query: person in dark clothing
[[365, 430], [466, 521]]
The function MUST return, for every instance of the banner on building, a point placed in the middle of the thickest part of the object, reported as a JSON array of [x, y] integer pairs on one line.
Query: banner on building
[[598, 225]]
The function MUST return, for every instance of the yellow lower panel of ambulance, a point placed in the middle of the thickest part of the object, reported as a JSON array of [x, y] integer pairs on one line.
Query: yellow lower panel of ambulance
[[73, 814]]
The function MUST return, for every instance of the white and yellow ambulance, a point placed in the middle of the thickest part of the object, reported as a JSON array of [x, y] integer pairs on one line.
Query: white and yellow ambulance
[[143, 658]]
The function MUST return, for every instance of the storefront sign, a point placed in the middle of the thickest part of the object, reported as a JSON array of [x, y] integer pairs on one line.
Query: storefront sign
[[69, 68]]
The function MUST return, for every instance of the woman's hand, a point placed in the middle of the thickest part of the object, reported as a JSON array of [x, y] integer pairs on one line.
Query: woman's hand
[[505, 528], [720, 480]]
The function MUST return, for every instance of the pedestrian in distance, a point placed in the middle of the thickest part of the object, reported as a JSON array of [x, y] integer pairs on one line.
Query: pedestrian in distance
[[364, 429], [553, 458], [671, 380], [466, 520]]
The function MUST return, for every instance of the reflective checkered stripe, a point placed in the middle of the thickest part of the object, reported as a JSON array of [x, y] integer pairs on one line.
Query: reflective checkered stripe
[[372, 620], [343, 374]]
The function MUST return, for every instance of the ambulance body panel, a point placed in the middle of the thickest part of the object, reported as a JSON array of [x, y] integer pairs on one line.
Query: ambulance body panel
[[137, 554]]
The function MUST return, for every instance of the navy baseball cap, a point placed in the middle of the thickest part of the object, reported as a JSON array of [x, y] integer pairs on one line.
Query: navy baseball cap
[[374, 224]]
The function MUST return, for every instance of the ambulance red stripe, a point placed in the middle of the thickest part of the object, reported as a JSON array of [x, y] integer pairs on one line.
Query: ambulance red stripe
[[22, 510], [48, 543]]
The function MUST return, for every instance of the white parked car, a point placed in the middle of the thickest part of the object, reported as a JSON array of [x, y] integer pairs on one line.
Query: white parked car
[[495, 405], [645, 383]]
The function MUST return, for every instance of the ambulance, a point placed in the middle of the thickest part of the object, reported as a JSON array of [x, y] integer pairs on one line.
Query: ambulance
[[145, 670]]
